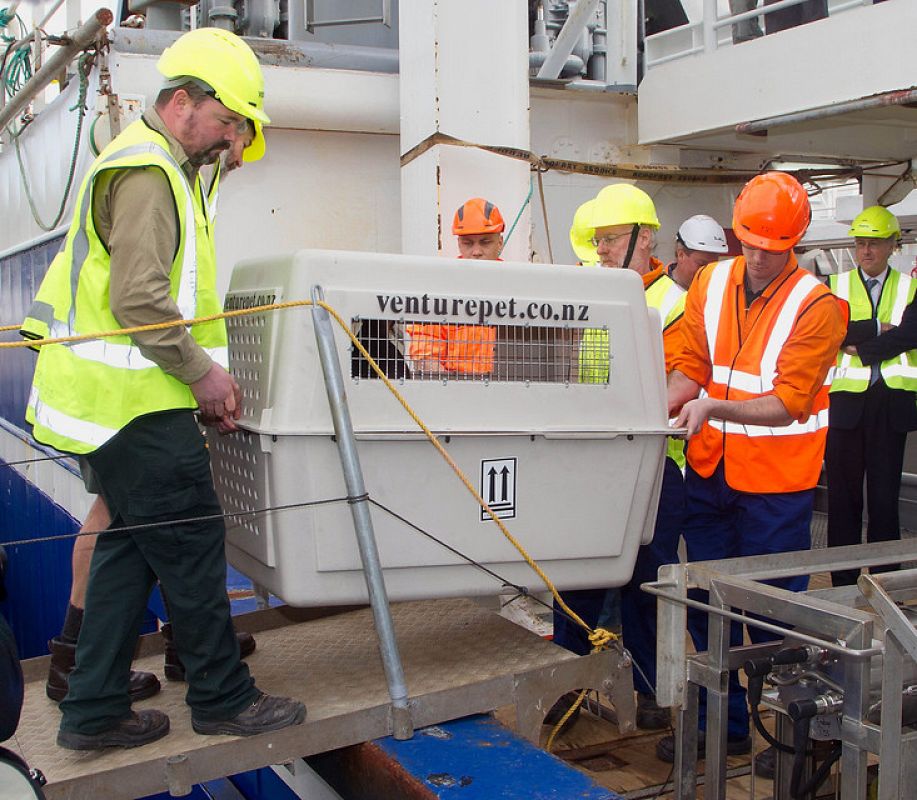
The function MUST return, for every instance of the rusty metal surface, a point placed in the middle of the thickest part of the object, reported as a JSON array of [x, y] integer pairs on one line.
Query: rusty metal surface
[[458, 659]]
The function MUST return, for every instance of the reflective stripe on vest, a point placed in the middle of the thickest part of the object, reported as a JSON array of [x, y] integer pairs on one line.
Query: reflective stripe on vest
[[81, 429], [122, 356], [898, 291]]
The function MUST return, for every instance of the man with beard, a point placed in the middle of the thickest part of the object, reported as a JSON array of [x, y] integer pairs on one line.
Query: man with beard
[[140, 250]]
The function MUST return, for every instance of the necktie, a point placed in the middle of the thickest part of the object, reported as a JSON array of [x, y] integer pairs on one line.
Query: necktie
[[872, 286]]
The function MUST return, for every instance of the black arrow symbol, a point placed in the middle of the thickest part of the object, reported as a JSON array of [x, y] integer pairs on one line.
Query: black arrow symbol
[[505, 473], [493, 485]]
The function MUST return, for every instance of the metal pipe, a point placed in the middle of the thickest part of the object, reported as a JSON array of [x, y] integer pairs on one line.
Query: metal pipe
[[81, 38], [847, 652], [897, 98], [573, 65], [709, 22], [567, 38], [31, 34], [272, 51], [403, 727]]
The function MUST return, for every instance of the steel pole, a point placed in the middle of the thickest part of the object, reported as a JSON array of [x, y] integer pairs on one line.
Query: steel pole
[[709, 22], [402, 725], [81, 38]]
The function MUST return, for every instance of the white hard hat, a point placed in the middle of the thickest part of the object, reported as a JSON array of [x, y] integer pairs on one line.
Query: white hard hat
[[702, 232]]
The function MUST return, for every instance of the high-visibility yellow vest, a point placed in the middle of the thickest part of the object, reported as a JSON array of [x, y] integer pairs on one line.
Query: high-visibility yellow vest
[[897, 292], [666, 296], [84, 393]]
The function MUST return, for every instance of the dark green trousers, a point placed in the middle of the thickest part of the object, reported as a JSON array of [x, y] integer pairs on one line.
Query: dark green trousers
[[157, 470]]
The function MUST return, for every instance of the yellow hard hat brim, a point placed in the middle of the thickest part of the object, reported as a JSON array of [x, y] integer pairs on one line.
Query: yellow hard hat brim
[[584, 249], [255, 151]]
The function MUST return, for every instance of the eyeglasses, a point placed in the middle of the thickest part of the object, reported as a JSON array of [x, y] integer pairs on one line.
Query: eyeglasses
[[609, 239]]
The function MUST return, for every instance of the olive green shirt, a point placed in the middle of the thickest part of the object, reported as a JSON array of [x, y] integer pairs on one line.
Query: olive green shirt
[[135, 216]]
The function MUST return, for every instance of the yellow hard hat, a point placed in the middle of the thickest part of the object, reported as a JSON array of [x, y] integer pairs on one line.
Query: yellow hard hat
[[875, 222], [581, 233], [617, 204], [228, 65]]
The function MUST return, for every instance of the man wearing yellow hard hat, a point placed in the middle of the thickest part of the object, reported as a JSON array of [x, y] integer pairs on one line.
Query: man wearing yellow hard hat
[[874, 390], [616, 229], [140, 250]]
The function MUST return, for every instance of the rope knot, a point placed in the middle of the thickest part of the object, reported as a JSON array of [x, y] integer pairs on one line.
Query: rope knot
[[600, 638]]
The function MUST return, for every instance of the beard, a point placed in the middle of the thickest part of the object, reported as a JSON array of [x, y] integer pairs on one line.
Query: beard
[[208, 156]]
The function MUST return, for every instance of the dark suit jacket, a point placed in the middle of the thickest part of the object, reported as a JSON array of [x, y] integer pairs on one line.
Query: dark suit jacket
[[847, 407]]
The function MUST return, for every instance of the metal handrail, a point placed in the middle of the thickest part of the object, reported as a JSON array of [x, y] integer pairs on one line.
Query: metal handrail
[[711, 23], [657, 588]]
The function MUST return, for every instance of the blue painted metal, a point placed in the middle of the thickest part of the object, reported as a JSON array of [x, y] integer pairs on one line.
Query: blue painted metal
[[476, 758], [20, 275], [38, 577]]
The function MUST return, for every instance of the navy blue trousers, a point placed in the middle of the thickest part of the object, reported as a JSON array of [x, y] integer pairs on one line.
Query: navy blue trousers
[[723, 523]]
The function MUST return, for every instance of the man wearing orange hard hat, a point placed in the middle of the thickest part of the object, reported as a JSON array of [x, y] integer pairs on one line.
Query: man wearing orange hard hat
[[461, 351], [751, 387], [478, 226]]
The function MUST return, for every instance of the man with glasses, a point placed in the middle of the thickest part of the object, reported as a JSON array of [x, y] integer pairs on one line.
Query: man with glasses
[[699, 241], [140, 250], [617, 229], [751, 387], [873, 394]]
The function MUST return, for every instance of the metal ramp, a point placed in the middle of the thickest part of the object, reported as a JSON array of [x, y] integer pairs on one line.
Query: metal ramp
[[458, 659]]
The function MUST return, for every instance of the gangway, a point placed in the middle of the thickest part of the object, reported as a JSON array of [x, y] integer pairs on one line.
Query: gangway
[[459, 659]]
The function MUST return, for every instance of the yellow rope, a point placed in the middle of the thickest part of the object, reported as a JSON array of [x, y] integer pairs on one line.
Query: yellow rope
[[599, 638], [563, 720], [157, 326]]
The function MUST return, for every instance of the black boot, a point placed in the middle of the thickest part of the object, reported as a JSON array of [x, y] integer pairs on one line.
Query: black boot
[[175, 670], [63, 659]]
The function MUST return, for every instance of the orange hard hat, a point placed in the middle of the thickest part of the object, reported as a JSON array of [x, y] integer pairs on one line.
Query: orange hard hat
[[772, 212], [477, 216]]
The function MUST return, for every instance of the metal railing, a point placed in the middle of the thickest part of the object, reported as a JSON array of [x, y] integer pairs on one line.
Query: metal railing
[[713, 30]]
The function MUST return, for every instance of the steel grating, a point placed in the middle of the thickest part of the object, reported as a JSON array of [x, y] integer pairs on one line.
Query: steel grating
[[458, 659]]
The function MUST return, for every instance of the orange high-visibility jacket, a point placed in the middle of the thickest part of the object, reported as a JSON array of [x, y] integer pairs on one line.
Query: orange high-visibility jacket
[[785, 345], [462, 349]]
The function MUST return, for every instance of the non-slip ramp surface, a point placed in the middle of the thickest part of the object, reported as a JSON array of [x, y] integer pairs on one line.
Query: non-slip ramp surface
[[458, 659]]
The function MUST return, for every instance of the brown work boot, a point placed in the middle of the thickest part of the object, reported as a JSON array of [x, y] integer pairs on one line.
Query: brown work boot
[[139, 728], [175, 670], [267, 713], [63, 658]]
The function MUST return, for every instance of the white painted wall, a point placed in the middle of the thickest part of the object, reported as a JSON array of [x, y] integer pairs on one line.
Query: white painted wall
[[464, 72]]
